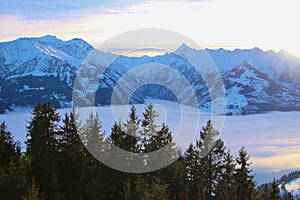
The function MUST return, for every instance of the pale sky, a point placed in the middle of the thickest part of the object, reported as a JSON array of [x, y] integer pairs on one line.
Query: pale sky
[[267, 24]]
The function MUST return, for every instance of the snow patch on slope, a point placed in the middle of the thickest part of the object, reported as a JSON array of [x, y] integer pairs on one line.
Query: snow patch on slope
[[58, 54], [293, 187]]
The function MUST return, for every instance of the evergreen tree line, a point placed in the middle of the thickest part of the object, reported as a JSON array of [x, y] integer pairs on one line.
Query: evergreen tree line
[[271, 191], [56, 165], [288, 177]]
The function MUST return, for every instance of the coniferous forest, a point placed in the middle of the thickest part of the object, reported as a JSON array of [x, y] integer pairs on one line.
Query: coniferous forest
[[56, 165]]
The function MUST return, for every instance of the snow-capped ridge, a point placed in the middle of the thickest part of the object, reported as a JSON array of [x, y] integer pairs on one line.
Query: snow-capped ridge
[[255, 80]]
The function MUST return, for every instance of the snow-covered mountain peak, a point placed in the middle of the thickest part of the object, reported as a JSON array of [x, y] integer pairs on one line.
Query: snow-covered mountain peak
[[47, 38], [182, 47], [76, 47], [42, 56], [256, 49]]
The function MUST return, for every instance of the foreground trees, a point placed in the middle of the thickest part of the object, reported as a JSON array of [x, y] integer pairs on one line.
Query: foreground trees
[[42, 148], [56, 164], [13, 176]]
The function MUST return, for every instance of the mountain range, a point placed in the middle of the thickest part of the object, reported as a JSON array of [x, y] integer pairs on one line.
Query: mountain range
[[45, 68]]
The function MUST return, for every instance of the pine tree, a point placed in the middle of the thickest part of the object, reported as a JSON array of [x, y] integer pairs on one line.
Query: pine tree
[[270, 191], [245, 186], [157, 140], [143, 136], [212, 152], [9, 149], [13, 167], [124, 136], [72, 164], [192, 166], [275, 191], [131, 128], [266, 192], [42, 145], [117, 135], [70, 140], [155, 137], [174, 176], [225, 188], [122, 140], [162, 141], [94, 135], [95, 174], [208, 167], [149, 131]]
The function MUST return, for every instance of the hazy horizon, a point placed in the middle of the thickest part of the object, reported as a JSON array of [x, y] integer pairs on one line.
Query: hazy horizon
[[210, 23], [154, 51]]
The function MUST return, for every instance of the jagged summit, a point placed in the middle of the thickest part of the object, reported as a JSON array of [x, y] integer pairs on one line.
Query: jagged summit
[[45, 37], [183, 47]]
